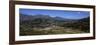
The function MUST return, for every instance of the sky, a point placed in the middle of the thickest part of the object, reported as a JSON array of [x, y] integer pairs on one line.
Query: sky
[[69, 14]]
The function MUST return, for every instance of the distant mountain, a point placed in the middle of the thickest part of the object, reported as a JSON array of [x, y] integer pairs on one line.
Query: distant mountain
[[24, 17], [59, 18], [41, 16], [32, 17], [85, 19]]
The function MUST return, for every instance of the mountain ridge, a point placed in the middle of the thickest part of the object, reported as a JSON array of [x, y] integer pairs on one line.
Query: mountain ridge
[[32, 17]]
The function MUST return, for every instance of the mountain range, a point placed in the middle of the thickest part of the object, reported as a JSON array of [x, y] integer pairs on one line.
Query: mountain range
[[24, 17]]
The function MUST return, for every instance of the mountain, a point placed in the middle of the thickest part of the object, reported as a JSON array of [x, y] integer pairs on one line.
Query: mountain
[[24, 17], [59, 18], [85, 19], [32, 17]]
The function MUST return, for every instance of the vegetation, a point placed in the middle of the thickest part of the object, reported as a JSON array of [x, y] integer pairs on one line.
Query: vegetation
[[44, 25]]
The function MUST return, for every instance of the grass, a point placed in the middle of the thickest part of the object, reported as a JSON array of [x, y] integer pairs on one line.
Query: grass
[[51, 30]]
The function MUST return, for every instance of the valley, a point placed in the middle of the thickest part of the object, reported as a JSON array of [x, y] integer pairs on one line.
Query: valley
[[45, 25]]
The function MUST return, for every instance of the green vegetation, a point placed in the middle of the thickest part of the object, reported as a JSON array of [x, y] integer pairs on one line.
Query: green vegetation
[[45, 26]]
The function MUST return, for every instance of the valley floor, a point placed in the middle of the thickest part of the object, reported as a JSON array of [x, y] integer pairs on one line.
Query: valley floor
[[51, 30]]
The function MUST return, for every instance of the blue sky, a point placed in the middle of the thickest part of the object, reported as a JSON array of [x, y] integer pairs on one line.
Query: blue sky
[[69, 14]]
